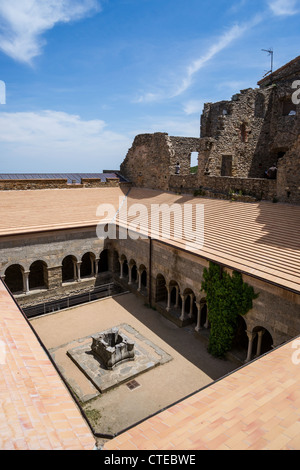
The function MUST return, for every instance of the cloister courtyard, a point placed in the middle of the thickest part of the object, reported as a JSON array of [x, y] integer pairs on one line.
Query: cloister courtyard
[[181, 367]]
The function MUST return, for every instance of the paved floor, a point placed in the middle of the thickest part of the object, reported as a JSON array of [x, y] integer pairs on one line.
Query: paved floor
[[190, 369]]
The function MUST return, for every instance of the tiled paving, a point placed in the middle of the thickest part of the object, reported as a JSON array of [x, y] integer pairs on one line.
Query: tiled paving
[[36, 410], [255, 408]]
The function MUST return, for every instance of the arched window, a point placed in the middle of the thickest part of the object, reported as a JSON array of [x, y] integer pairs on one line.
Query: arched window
[[87, 265], [69, 269], [38, 275], [14, 278], [161, 293], [103, 262]]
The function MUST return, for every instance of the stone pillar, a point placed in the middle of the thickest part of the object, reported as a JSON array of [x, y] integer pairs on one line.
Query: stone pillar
[[130, 275], [75, 277], [177, 297], [260, 335], [198, 327], [139, 281], [121, 270], [191, 305], [78, 271], [97, 266], [54, 277], [182, 317], [26, 282], [92, 267], [169, 299], [251, 337]]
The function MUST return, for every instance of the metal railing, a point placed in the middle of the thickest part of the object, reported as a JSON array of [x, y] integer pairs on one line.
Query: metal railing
[[100, 292]]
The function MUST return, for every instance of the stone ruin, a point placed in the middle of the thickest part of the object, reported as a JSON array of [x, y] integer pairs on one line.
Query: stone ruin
[[113, 348]]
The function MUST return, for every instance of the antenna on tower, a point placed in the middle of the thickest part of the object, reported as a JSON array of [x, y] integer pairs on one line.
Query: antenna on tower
[[271, 53]]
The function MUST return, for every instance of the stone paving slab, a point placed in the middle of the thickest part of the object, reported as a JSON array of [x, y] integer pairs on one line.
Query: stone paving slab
[[147, 356]]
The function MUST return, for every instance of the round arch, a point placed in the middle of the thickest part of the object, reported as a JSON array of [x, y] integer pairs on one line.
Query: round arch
[[69, 268], [161, 293], [38, 275], [103, 261], [87, 267], [14, 276]]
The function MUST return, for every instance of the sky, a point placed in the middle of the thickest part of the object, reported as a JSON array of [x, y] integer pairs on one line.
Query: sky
[[79, 79]]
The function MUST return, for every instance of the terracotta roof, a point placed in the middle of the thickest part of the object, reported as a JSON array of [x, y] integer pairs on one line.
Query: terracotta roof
[[52, 209], [261, 239], [36, 410], [255, 408]]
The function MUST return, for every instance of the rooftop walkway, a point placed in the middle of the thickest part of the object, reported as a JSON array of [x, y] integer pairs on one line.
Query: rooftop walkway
[[36, 410], [255, 408]]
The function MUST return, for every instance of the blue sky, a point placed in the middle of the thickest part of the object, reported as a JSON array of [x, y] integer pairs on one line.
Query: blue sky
[[83, 77]]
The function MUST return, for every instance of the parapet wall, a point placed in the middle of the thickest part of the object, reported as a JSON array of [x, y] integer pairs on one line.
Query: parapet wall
[[35, 184]]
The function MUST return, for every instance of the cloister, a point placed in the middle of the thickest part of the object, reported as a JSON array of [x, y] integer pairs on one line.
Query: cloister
[[171, 297]]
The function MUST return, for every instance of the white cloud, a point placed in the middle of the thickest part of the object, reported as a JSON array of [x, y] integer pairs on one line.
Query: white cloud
[[52, 141], [23, 22], [220, 43], [193, 107], [284, 7]]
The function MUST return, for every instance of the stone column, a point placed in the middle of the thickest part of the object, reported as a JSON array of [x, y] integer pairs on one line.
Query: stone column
[[177, 297], [259, 341], [198, 327], [75, 277], [92, 267], [182, 317], [97, 266], [191, 305], [26, 282], [121, 270], [251, 337], [139, 281], [130, 275], [78, 271], [169, 299]]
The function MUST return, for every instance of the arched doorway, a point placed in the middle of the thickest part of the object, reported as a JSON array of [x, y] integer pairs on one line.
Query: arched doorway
[[38, 275], [14, 278]]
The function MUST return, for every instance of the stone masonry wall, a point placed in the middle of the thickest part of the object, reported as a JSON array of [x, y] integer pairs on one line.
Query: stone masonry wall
[[153, 158], [34, 184], [288, 184]]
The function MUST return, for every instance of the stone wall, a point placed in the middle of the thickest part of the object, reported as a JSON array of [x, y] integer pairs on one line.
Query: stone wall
[[34, 184], [288, 184], [153, 158], [233, 128], [240, 139], [276, 309]]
